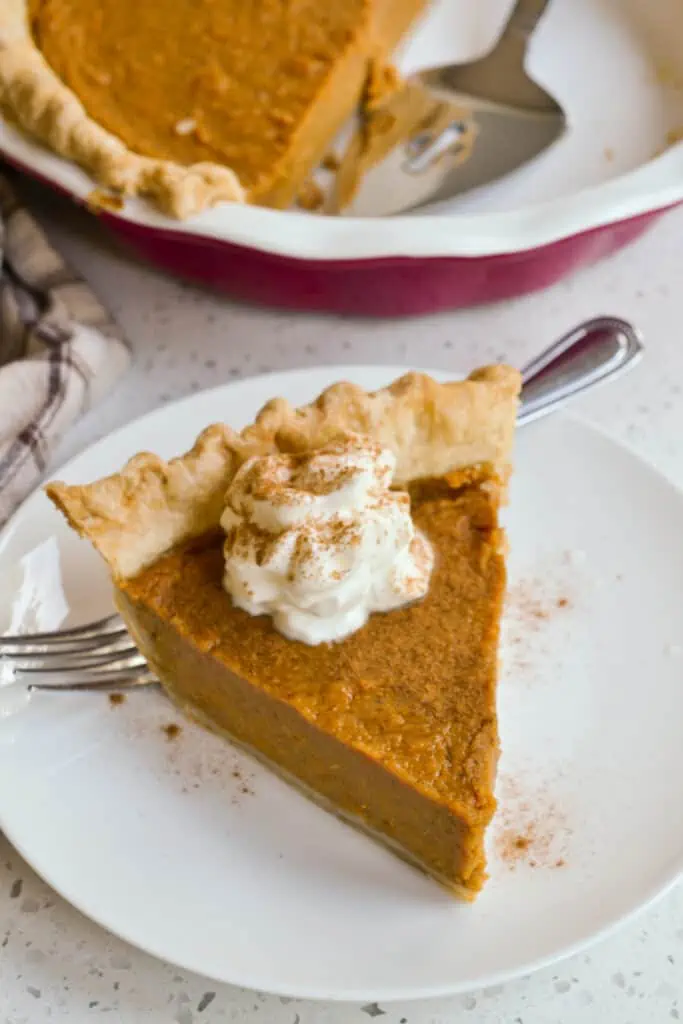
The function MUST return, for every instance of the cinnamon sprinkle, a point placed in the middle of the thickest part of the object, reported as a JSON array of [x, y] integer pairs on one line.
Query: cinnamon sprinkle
[[116, 699], [172, 730], [530, 828], [531, 606], [527, 603], [244, 789]]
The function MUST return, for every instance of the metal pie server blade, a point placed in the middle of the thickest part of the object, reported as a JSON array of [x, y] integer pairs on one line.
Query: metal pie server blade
[[502, 120]]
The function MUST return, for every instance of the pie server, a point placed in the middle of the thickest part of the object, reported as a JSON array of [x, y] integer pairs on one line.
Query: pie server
[[503, 119]]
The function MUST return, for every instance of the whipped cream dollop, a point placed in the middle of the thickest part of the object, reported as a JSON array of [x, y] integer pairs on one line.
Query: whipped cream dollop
[[319, 540]]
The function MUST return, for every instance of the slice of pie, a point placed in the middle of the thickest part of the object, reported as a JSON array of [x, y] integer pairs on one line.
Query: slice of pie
[[388, 719], [191, 102]]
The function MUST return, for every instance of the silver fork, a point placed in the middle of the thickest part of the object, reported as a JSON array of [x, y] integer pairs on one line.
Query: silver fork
[[98, 656], [101, 656]]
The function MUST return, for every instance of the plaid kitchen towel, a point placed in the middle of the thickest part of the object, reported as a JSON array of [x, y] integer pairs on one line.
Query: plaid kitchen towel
[[59, 350]]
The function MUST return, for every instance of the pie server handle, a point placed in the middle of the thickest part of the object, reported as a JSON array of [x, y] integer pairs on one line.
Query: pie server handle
[[595, 351]]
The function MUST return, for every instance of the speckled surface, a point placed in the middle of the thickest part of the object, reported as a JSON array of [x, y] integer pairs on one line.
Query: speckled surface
[[55, 964]]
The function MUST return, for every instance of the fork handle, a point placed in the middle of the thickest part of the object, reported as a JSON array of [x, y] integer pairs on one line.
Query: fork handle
[[591, 353], [524, 18]]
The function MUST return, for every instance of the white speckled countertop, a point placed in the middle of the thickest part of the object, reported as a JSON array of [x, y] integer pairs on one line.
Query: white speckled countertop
[[54, 963]]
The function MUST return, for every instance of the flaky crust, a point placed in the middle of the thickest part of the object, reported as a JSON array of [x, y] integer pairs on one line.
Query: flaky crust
[[34, 97], [135, 516]]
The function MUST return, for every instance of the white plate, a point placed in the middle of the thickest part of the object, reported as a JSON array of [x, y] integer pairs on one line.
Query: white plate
[[616, 67], [242, 879]]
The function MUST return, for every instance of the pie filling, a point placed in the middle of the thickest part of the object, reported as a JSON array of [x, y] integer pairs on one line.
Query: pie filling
[[395, 726]]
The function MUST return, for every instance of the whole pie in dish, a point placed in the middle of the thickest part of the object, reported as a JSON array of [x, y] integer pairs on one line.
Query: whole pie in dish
[[389, 722], [191, 102]]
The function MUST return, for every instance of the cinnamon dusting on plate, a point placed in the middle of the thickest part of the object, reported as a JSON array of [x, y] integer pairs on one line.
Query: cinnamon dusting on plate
[[532, 607], [529, 604], [116, 699], [243, 786], [530, 828]]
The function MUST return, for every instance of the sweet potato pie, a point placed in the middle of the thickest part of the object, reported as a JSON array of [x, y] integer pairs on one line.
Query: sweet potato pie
[[390, 722]]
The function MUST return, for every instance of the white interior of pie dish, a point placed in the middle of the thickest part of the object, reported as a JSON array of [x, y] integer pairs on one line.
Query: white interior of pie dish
[[616, 67]]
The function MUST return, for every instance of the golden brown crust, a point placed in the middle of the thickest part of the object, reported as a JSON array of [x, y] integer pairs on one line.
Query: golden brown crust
[[138, 514], [432, 428], [32, 95], [134, 516]]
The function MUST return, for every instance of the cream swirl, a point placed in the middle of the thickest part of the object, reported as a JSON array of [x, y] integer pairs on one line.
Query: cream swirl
[[319, 541]]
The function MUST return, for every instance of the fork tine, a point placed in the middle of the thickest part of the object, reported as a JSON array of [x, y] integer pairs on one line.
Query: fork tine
[[131, 680], [69, 646], [130, 655], [88, 629], [96, 677], [97, 656]]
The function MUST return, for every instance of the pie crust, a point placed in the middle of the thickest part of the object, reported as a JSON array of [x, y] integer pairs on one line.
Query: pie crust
[[136, 515]]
